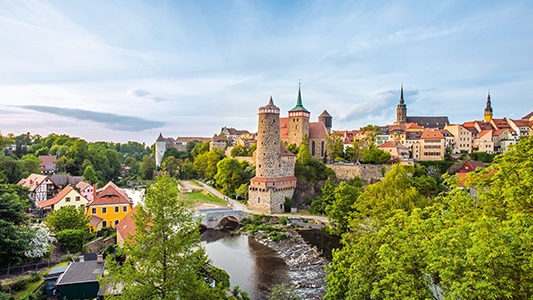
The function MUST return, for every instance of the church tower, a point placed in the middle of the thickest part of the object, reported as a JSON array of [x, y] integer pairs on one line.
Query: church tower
[[488, 110], [298, 121], [401, 110], [274, 176]]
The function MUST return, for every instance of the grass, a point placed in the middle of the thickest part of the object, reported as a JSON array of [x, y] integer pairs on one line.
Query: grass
[[196, 183], [34, 285], [193, 199]]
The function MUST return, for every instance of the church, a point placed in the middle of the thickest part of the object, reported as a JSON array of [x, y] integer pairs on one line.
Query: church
[[425, 121]]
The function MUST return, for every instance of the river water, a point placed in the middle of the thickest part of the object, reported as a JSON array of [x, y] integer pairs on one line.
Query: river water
[[252, 266]]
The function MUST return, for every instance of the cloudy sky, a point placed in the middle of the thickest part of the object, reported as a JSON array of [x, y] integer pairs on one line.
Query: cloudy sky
[[128, 70]]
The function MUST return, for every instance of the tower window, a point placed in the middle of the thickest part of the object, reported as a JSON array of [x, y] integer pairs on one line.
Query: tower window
[[258, 199]]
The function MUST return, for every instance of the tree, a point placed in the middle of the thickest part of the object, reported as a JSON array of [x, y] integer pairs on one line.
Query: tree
[[228, 175], [30, 164], [40, 242], [339, 209], [283, 292], [176, 267], [335, 147], [303, 155], [68, 217], [205, 164], [147, 167], [374, 155], [239, 150], [170, 164], [89, 175], [14, 236], [73, 239]]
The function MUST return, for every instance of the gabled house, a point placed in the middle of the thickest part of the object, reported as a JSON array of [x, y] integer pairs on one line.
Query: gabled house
[[66, 197], [470, 166], [483, 142], [430, 147], [395, 149], [48, 164], [41, 187], [86, 189], [110, 205], [62, 180], [126, 227]]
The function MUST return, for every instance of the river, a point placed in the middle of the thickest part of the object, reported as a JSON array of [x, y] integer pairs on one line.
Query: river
[[252, 266]]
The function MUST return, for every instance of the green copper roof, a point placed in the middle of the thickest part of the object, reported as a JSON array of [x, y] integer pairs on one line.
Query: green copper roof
[[299, 106]]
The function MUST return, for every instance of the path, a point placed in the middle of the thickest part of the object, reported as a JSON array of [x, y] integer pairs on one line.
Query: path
[[240, 206]]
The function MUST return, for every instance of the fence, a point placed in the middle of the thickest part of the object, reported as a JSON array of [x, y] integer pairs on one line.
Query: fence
[[20, 269]]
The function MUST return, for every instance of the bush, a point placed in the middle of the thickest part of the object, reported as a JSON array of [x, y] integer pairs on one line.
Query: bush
[[34, 277], [20, 285]]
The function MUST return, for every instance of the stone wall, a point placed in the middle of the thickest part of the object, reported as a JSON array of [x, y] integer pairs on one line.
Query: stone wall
[[99, 244], [369, 173]]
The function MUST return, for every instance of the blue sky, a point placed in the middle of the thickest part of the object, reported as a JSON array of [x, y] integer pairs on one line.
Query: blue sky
[[128, 70]]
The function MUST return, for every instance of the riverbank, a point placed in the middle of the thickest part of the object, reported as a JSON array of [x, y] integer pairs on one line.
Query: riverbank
[[306, 265]]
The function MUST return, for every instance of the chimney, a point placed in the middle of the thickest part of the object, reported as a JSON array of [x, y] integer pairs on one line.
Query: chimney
[[82, 258], [94, 191], [100, 258]]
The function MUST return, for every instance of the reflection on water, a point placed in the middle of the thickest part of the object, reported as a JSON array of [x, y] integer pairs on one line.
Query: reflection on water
[[252, 266], [324, 241]]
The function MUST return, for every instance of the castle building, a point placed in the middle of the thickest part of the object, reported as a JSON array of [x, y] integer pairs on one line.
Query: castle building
[[295, 128], [162, 144], [274, 178], [488, 110], [425, 121]]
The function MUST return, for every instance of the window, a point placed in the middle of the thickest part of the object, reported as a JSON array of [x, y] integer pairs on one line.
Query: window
[[67, 199], [124, 208], [104, 210], [104, 224], [258, 199], [77, 198], [116, 209], [116, 222], [93, 210]]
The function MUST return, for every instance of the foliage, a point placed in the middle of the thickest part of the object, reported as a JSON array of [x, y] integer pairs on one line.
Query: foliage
[[327, 197], [147, 167], [14, 236], [335, 147], [176, 263], [441, 165], [40, 243], [482, 156], [170, 164], [89, 175], [239, 150], [374, 155], [73, 239], [228, 175], [303, 155], [403, 244], [199, 148], [283, 292], [313, 171], [205, 164], [68, 217], [338, 211]]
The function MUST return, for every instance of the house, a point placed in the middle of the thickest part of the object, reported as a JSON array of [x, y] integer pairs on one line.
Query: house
[[430, 147], [66, 197], [62, 180], [470, 166], [462, 138], [395, 149], [51, 278], [48, 164], [126, 227], [110, 205], [41, 187], [483, 142], [86, 189], [80, 280]]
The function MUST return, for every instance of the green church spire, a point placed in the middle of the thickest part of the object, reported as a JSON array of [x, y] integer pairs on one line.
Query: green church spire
[[299, 106]]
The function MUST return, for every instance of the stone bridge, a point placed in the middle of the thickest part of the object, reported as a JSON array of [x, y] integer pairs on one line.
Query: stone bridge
[[212, 217]]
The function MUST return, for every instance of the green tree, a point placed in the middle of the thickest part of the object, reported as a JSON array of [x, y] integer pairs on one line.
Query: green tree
[[14, 236], [133, 164], [73, 239], [283, 292], [30, 164], [339, 210], [335, 147], [205, 164], [239, 150], [147, 167], [68, 217], [170, 164], [89, 175], [228, 175], [303, 155], [199, 148], [176, 265], [374, 155]]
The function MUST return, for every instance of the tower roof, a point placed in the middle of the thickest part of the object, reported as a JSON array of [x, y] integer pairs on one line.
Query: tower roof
[[324, 114], [402, 102], [299, 106], [488, 108]]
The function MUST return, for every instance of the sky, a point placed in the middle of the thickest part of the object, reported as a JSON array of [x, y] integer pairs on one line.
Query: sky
[[128, 70]]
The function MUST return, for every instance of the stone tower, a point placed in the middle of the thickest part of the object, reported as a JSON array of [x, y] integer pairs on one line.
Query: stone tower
[[274, 176], [327, 119], [298, 122], [488, 110], [401, 110], [160, 149]]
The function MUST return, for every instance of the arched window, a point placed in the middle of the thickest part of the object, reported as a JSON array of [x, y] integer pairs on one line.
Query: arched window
[[322, 148], [313, 148]]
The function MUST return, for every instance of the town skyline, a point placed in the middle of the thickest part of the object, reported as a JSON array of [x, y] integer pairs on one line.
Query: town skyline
[[131, 70]]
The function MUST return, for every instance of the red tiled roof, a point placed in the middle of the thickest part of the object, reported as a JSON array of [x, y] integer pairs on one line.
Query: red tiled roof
[[284, 128], [126, 226], [484, 132], [82, 185], [111, 194], [95, 220], [391, 144], [432, 134], [497, 132], [521, 123], [528, 116], [32, 181], [191, 139], [56, 199], [317, 130]]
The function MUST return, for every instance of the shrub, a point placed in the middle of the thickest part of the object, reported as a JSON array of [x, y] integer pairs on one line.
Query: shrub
[[19, 285]]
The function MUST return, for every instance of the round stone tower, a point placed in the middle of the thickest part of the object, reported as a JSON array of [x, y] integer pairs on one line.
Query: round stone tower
[[160, 149], [268, 140], [274, 171]]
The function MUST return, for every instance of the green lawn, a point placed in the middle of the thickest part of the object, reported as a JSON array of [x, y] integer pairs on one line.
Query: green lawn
[[193, 199]]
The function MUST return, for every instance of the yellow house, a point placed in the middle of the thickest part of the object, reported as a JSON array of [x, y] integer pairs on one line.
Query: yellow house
[[109, 206], [67, 197]]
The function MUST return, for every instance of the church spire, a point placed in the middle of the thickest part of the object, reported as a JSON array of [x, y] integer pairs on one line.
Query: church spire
[[488, 109], [299, 106], [401, 110], [401, 95]]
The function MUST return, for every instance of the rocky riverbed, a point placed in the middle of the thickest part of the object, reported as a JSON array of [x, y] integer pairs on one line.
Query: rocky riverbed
[[306, 265]]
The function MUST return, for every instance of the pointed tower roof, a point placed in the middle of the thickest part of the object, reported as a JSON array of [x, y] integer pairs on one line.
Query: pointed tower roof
[[299, 106], [324, 114], [401, 94], [160, 138], [488, 108]]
